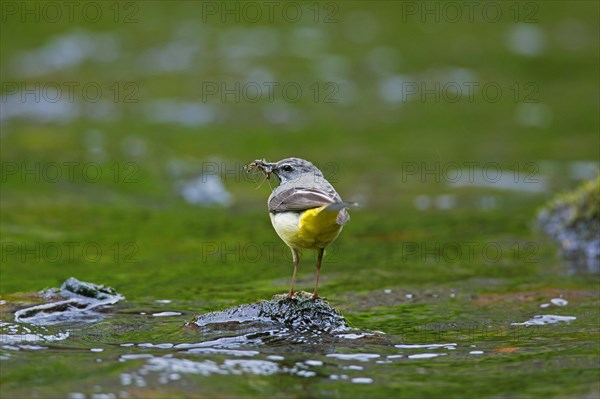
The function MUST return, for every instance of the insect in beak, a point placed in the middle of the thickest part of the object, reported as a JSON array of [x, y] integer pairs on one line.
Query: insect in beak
[[262, 165]]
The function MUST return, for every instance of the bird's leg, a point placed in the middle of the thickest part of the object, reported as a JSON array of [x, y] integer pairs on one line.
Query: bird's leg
[[295, 258], [319, 260]]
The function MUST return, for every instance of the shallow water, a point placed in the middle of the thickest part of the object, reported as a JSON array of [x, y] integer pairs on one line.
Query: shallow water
[[149, 350]]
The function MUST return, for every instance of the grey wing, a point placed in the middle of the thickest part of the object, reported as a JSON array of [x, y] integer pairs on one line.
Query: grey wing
[[299, 199]]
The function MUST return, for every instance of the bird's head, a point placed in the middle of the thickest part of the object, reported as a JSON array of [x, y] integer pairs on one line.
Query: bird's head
[[289, 169]]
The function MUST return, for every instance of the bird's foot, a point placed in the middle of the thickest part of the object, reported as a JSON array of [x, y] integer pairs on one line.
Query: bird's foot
[[316, 296]]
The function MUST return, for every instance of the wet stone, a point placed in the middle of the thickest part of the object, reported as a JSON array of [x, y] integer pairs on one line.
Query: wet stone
[[301, 313], [74, 301], [89, 290], [572, 220]]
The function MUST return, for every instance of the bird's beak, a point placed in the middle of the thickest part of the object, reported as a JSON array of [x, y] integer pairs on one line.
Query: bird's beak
[[268, 169]]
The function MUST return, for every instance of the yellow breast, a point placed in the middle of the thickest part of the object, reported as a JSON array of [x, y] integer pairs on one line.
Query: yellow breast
[[313, 228]]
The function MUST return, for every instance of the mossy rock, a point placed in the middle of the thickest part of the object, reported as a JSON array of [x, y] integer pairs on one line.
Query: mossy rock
[[572, 219], [299, 314], [74, 301]]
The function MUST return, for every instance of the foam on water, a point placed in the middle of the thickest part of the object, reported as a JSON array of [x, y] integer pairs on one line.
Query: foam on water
[[540, 320], [361, 357], [427, 346], [166, 314], [426, 355], [559, 302]]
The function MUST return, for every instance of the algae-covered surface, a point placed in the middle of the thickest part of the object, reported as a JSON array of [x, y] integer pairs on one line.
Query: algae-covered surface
[[132, 180]]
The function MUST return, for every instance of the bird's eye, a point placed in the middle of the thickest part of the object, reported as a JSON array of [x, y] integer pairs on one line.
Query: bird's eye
[[287, 168]]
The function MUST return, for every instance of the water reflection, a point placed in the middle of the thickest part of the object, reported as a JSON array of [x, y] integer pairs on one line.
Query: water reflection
[[67, 50], [526, 39]]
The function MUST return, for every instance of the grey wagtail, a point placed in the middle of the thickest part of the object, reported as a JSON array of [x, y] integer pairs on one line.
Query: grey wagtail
[[305, 209]]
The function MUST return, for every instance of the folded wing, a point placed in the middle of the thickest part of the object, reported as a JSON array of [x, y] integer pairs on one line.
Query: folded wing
[[300, 199]]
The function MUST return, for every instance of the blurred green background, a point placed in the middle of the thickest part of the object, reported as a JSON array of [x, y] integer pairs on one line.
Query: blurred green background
[[111, 106], [125, 126]]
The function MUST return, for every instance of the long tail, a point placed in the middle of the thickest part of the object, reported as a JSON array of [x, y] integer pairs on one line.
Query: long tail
[[338, 206]]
